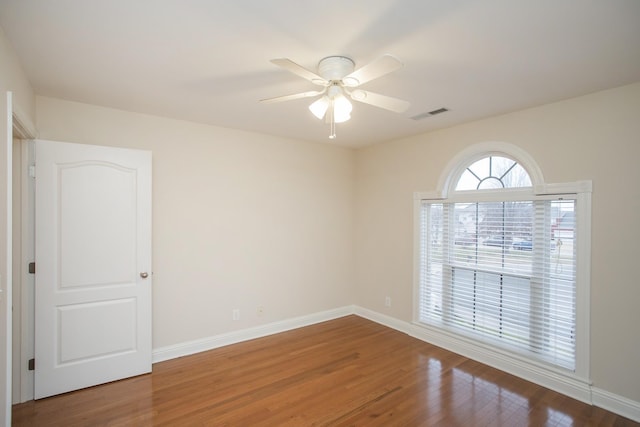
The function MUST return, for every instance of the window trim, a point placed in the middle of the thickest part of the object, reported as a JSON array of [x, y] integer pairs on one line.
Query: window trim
[[576, 384]]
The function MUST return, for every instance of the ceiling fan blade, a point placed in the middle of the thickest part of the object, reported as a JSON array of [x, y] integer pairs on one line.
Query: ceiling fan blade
[[293, 96], [378, 68], [299, 70], [381, 101]]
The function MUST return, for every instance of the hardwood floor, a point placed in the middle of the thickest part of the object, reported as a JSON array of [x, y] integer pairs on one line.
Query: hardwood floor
[[345, 372]]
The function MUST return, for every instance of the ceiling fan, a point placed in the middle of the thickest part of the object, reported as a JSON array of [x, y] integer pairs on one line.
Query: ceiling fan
[[339, 81]]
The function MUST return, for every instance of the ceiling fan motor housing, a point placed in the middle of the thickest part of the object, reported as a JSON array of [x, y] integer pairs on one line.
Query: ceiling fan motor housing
[[335, 67]]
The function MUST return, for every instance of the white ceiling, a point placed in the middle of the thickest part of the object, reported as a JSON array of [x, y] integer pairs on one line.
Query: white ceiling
[[207, 61]]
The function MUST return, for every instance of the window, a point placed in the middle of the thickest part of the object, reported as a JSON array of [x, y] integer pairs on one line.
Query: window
[[498, 263], [493, 172]]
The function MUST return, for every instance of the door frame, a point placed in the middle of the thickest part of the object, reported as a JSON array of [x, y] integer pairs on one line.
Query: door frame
[[17, 124], [23, 339], [23, 282]]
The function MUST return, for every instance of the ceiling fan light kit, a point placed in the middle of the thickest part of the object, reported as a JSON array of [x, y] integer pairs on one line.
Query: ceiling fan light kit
[[334, 100], [336, 74]]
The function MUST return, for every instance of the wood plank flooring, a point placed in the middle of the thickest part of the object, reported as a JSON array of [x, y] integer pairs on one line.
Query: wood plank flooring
[[345, 372]]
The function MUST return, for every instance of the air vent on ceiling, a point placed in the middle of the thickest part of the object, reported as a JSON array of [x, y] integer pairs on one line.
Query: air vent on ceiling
[[430, 113]]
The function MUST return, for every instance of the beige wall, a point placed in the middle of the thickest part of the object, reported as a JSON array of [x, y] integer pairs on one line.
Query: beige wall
[[240, 220], [13, 79], [595, 137]]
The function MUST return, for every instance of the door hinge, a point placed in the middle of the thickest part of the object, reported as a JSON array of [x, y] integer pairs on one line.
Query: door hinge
[[32, 268], [32, 364], [32, 171]]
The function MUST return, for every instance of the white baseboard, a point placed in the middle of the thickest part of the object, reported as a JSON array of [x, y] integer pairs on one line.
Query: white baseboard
[[617, 404], [565, 384], [383, 319], [187, 348]]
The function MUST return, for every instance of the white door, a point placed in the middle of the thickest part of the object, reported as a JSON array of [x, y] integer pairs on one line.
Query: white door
[[93, 265]]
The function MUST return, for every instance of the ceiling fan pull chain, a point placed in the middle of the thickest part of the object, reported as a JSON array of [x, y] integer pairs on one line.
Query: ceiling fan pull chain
[[332, 131]]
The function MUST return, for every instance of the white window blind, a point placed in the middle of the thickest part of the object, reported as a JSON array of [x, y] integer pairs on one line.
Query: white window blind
[[503, 273]]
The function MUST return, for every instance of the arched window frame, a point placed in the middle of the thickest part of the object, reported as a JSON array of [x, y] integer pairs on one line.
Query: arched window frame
[[457, 165], [575, 384]]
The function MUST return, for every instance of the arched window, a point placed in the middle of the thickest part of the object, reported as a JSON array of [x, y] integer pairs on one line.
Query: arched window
[[498, 259], [493, 172]]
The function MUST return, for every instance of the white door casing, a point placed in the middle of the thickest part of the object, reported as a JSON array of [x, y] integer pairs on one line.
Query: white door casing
[[93, 265], [6, 259]]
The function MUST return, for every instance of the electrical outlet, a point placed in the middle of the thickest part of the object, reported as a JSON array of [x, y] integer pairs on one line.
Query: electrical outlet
[[387, 302], [260, 311], [235, 314]]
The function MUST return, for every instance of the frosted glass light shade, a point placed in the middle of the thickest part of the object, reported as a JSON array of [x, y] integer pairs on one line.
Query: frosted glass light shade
[[341, 109], [319, 107]]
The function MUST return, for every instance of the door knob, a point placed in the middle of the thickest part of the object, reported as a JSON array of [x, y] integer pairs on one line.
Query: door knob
[[144, 275]]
